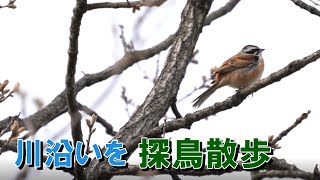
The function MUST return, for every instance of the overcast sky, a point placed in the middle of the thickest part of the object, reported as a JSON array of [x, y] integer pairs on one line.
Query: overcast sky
[[33, 51]]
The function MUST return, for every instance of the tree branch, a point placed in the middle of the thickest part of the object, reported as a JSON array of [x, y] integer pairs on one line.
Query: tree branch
[[285, 132], [174, 109], [7, 146], [9, 5], [306, 7], [103, 122], [277, 165], [133, 4], [282, 174], [114, 5], [7, 122], [70, 92], [221, 12]]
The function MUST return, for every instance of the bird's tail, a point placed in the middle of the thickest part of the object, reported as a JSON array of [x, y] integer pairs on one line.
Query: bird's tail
[[204, 96]]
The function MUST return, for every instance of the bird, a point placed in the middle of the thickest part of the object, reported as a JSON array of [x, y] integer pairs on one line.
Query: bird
[[239, 71]]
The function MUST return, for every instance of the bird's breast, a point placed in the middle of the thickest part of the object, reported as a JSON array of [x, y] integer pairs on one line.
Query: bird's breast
[[245, 76]]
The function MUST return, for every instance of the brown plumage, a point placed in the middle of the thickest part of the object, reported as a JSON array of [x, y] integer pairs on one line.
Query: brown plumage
[[239, 71]]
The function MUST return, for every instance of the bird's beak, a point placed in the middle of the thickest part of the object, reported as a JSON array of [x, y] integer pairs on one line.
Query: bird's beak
[[260, 50]]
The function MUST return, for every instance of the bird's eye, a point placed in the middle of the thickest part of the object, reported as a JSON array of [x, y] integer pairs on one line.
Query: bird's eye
[[254, 51]]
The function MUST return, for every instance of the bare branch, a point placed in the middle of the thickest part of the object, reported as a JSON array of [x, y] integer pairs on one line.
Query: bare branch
[[70, 92], [114, 5], [317, 4], [103, 122], [8, 146], [282, 174], [90, 122], [221, 12], [7, 122], [203, 85], [6, 93], [277, 165], [151, 3], [127, 101], [285, 132], [133, 4], [126, 46], [306, 7], [10, 5], [175, 109]]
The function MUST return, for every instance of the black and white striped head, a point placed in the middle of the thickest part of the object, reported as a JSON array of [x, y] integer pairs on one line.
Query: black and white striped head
[[252, 49]]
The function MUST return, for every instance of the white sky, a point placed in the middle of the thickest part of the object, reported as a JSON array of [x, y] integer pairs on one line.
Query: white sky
[[33, 51]]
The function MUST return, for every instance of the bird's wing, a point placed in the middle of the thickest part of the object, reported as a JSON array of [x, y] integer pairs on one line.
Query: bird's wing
[[237, 62]]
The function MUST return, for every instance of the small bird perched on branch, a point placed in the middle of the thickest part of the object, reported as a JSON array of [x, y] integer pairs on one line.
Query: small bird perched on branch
[[239, 71]]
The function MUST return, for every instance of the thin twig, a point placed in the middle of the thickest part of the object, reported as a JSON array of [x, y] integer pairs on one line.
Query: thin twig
[[90, 124], [157, 70], [221, 11], [285, 132], [317, 4], [175, 110], [164, 128], [203, 85], [102, 121], [126, 46], [127, 101]]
